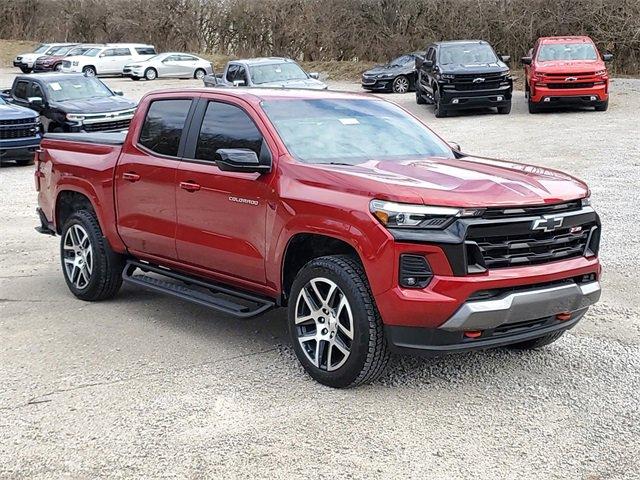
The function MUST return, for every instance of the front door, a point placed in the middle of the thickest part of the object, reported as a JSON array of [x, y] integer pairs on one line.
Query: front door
[[145, 180], [221, 215]]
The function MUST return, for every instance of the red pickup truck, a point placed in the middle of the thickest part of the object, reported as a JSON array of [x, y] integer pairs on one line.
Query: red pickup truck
[[566, 71], [374, 233]]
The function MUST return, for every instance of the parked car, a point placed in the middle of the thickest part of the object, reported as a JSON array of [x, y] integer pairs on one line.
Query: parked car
[[271, 72], [463, 74], [19, 133], [72, 103], [397, 76], [25, 61], [107, 60], [566, 71], [169, 65], [53, 62], [373, 232]]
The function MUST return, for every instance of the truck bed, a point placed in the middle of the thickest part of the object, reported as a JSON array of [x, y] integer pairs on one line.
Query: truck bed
[[101, 138]]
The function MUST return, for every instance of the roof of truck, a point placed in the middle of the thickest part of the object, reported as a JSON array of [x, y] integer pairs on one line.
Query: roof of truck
[[263, 60], [459, 42], [259, 94], [575, 39]]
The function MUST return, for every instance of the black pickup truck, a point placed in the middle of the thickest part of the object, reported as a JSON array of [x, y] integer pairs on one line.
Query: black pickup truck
[[463, 74], [72, 102]]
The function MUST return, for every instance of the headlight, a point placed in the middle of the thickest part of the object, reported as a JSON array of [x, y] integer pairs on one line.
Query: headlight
[[447, 76], [586, 202], [405, 215], [601, 73], [75, 117]]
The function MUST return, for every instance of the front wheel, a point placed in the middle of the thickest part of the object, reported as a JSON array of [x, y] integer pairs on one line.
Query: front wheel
[[419, 98], [89, 71], [25, 70], [440, 109], [25, 162], [603, 106], [505, 110], [400, 84], [151, 74], [533, 107], [334, 325], [91, 269]]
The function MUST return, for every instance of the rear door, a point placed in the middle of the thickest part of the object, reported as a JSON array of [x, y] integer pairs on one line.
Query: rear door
[[171, 66], [145, 180], [221, 215]]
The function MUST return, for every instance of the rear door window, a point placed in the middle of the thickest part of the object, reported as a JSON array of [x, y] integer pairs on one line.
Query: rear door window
[[145, 50], [164, 125]]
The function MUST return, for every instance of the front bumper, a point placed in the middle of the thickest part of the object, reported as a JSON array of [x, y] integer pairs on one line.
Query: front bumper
[[19, 148], [21, 64], [380, 84], [569, 96], [461, 99]]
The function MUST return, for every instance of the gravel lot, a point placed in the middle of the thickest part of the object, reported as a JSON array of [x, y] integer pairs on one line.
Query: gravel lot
[[146, 386]]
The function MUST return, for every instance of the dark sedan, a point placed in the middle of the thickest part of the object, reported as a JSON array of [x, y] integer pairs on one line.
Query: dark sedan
[[397, 76]]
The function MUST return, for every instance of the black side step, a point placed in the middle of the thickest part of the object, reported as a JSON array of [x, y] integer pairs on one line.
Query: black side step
[[222, 298]]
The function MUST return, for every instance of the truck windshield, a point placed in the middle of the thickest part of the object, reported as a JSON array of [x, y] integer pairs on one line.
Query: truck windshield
[[63, 50], [351, 131], [77, 88], [278, 72], [467, 54], [567, 51]]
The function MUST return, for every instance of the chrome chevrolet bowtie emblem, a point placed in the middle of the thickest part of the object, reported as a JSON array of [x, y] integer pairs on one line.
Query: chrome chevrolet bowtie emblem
[[547, 224], [571, 79], [478, 80]]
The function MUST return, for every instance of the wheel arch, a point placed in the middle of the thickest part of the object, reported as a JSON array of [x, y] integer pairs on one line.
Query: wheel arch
[[69, 201]]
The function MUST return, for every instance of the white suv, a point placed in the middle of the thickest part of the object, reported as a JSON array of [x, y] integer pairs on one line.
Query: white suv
[[107, 60], [25, 61]]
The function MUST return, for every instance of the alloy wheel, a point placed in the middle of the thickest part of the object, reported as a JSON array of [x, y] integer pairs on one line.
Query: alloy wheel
[[324, 324], [199, 74], [78, 256], [401, 85]]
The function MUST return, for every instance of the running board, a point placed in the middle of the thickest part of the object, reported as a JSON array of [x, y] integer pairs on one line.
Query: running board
[[222, 298]]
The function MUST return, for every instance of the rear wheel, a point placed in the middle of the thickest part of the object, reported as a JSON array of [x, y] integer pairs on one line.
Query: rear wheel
[[537, 342], [150, 74], [334, 324], [91, 269], [441, 111], [400, 84], [199, 74]]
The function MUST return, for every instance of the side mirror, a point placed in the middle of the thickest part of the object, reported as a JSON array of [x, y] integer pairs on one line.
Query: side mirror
[[527, 60], [505, 58], [314, 75], [238, 83], [118, 92], [240, 160], [102, 55], [428, 63], [607, 57], [455, 146], [35, 101]]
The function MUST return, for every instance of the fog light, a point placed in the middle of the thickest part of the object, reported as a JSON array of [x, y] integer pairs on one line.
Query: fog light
[[455, 100], [499, 98], [472, 333], [546, 99], [593, 98]]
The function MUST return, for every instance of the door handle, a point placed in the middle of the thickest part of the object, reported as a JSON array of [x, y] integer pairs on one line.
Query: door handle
[[130, 176], [190, 186]]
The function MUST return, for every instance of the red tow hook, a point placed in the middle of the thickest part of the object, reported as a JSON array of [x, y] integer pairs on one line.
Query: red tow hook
[[472, 333], [564, 316]]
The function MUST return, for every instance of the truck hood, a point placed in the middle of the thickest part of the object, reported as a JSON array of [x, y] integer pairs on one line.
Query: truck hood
[[471, 68], [569, 66], [14, 112], [467, 182], [95, 105], [309, 83], [29, 57]]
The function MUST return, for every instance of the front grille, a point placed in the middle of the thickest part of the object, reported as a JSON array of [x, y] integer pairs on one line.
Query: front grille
[[500, 249], [477, 86], [13, 133], [66, 63], [501, 212], [18, 121], [571, 85], [574, 74], [106, 126]]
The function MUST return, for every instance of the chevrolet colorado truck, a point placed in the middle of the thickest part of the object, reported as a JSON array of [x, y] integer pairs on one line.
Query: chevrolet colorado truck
[[566, 71], [373, 232], [463, 74]]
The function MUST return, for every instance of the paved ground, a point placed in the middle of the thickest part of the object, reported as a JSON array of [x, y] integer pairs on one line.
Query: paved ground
[[145, 386]]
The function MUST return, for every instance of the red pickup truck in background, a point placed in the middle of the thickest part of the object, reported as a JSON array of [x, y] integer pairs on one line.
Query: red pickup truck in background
[[373, 232], [566, 71]]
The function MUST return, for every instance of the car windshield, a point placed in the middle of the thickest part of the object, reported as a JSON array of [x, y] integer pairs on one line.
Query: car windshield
[[351, 131], [467, 54], [400, 61], [276, 72], [92, 52], [78, 51], [567, 51], [63, 50], [77, 88], [41, 49]]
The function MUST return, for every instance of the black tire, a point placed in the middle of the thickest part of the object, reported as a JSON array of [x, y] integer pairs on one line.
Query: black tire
[[419, 98], [533, 107], [105, 278], [201, 72], [25, 162], [25, 70], [537, 342], [506, 110], [55, 129], [440, 111], [369, 352], [58, 67], [602, 106], [400, 84], [150, 74], [89, 71]]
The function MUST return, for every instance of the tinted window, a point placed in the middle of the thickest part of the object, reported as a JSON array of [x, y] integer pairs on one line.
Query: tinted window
[[21, 90], [109, 53], [226, 126], [231, 72], [146, 50], [163, 126], [122, 52], [36, 91]]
